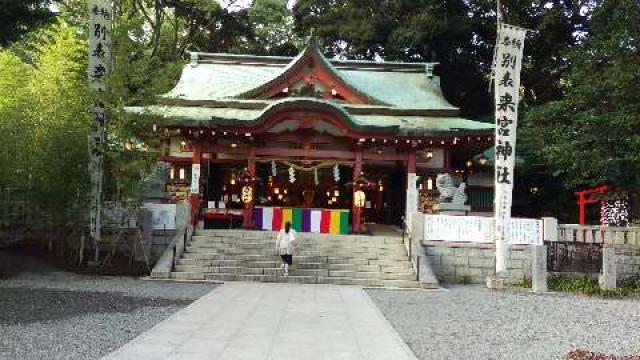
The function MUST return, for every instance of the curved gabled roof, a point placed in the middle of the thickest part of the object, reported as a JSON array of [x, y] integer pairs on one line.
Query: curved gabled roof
[[215, 77], [404, 125], [311, 56]]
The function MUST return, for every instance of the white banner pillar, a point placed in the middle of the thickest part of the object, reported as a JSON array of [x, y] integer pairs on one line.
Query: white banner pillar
[[100, 23], [508, 63]]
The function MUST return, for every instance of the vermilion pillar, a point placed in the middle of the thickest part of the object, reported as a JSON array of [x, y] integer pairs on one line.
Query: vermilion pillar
[[194, 196], [356, 225], [248, 208]]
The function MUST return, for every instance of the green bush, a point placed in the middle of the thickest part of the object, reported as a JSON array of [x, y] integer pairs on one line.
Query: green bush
[[524, 283], [587, 286]]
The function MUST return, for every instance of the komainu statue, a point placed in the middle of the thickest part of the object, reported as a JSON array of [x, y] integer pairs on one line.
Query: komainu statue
[[449, 193], [152, 186]]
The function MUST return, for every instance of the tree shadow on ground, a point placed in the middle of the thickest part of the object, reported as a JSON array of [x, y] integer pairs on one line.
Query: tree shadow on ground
[[22, 305]]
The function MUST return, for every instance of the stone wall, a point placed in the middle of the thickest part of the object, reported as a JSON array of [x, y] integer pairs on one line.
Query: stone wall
[[472, 263], [627, 261]]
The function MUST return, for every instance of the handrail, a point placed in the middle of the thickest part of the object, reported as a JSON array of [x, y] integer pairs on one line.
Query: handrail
[[176, 247]]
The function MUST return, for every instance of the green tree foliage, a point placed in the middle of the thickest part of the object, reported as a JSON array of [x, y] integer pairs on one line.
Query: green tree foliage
[[273, 26], [14, 97], [592, 135], [17, 17], [45, 124], [459, 35]]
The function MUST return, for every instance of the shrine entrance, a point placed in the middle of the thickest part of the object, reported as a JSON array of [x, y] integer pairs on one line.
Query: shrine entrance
[[325, 144], [315, 195]]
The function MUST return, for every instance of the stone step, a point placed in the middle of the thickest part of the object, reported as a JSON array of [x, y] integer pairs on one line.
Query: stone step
[[306, 263], [303, 240], [411, 284], [372, 275], [300, 252], [262, 278], [187, 275], [294, 271], [223, 255], [319, 247], [229, 263], [349, 281], [344, 259]]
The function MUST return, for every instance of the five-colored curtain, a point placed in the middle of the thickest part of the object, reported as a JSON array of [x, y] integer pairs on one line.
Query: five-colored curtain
[[302, 220]]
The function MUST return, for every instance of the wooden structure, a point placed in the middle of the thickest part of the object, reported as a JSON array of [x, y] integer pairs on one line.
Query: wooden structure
[[588, 197], [307, 128]]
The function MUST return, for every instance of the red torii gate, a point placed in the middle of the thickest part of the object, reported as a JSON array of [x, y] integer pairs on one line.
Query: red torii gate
[[585, 198]]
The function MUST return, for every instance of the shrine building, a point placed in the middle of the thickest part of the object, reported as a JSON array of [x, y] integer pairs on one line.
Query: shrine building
[[329, 145]]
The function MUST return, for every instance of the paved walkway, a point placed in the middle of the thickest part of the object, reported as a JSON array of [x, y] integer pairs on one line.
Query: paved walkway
[[272, 321]]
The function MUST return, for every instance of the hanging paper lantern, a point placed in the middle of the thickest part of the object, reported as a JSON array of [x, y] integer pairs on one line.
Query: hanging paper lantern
[[336, 173], [359, 198], [292, 175], [247, 194], [274, 170]]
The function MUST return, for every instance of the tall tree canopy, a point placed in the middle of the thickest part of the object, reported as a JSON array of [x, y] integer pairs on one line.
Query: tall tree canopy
[[592, 135], [457, 34], [18, 17]]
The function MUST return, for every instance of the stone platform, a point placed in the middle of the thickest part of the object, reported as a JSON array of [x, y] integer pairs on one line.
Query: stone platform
[[252, 321]]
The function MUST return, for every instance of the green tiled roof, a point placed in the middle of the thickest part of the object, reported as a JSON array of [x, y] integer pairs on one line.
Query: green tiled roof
[[216, 77], [221, 90], [194, 116]]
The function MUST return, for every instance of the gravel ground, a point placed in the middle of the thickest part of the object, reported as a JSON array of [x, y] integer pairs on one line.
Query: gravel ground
[[472, 322], [50, 314]]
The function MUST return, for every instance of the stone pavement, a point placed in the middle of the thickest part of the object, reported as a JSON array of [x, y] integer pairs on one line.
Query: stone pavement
[[242, 320]]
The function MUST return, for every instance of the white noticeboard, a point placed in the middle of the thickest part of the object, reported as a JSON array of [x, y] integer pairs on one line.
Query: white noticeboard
[[195, 179], [163, 216]]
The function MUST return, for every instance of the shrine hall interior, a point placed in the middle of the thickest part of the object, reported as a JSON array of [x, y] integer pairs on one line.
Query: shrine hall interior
[[308, 132]]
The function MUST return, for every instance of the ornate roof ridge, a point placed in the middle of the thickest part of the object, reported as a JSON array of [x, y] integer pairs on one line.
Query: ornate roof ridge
[[311, 55], [266, 60]]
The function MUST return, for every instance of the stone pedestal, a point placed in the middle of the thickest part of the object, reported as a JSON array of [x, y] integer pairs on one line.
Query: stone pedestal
[[539, 268], [452, 209], [496, 282], [608, 275]]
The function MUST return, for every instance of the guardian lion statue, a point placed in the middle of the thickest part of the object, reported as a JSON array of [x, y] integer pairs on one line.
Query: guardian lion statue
[[450, 193], [152, 186]]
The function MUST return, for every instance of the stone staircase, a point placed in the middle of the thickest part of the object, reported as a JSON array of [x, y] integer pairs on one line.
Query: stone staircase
[[235, 255]]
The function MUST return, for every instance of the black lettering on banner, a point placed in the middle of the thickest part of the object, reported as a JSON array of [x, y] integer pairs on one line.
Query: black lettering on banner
[[506, 103], [508, 61], [105, 14], [503, 131], [504, 122], [99, 51], [99, 72], [503, 175], [506, 80], [516, 43], [504, 149], [100, 32]]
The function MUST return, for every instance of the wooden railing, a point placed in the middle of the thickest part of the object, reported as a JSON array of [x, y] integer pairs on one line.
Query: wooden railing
[[599, 235]]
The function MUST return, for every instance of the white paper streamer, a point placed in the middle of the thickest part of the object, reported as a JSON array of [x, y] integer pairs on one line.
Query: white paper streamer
[[292, 175]]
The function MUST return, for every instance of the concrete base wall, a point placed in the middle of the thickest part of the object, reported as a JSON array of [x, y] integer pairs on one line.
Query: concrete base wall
[[472, 263]]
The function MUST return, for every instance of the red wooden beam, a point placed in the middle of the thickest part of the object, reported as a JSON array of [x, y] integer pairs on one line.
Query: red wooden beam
[[585, 198]]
